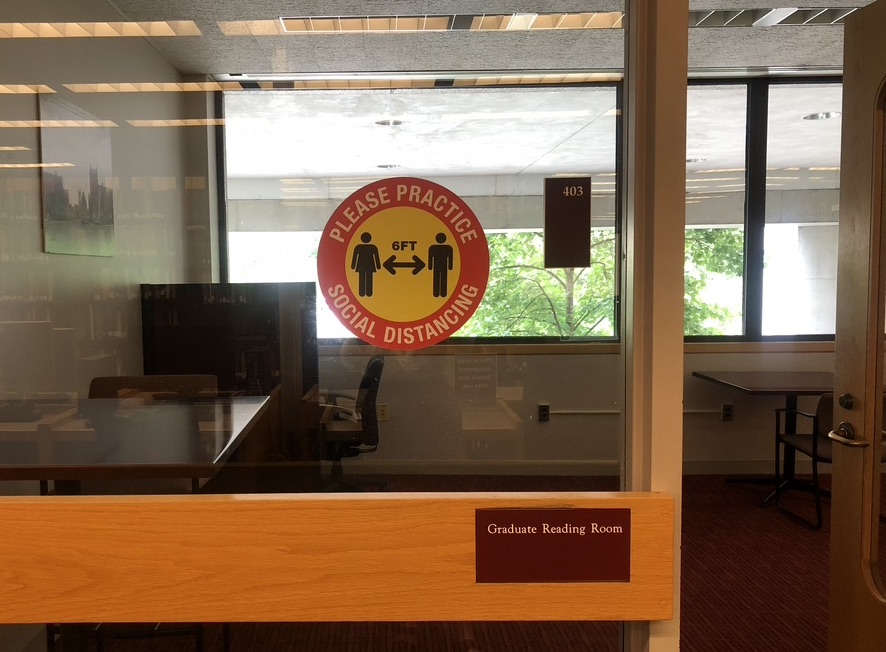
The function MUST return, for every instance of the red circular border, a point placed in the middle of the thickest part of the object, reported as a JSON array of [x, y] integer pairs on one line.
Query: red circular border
[[332, 257]]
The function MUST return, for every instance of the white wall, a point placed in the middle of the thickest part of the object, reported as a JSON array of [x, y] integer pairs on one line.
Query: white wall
[[746, 444], [425, 432], [91, 303]]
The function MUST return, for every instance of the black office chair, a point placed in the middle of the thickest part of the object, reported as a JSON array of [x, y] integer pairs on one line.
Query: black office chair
[[348, 432], [813, 442]]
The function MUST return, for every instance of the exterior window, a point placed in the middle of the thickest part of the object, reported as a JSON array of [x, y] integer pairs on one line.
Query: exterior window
[[802, 207], [715, 199], [525, 299], [759, 261], [293, 156]]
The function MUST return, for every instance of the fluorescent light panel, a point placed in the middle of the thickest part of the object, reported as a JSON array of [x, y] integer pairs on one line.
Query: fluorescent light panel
[[541, 78], [99, 30], [332, 24], [350, 81], [24, 89], [191, 122], [155, 87], [11, 124], [528, 21], [7, 166], [422, 23]]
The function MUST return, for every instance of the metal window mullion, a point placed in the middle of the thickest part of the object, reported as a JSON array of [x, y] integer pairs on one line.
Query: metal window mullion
[[224, 263], [619, 213], [755, 206]]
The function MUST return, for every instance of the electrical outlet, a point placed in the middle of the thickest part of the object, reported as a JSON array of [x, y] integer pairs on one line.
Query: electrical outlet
[[726, 412], [544, 412], [381, 411]]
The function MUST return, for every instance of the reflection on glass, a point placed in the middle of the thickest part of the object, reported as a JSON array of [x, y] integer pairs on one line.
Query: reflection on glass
[[463, 420], [466, 421], [802, 205]]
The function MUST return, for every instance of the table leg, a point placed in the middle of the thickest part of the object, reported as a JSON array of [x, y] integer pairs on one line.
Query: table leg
[[789, 460], [790, 426]]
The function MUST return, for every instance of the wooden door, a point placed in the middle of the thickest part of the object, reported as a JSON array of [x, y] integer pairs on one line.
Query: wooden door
[[857, 602]]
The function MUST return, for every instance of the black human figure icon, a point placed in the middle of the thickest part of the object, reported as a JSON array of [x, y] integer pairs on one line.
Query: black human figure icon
[[440, 263], [365, 262]]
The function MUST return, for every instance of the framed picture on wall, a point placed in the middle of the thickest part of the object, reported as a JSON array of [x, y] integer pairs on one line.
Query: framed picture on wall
[[76, 182]]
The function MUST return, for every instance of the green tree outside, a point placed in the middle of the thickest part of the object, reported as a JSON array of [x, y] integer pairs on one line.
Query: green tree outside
[[523, 299]]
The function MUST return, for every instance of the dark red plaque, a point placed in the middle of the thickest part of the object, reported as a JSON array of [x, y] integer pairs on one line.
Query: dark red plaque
[[567, 222], [526, 545]]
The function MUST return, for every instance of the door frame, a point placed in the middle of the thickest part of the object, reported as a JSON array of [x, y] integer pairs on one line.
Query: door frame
[[654, 177], [857, 617]]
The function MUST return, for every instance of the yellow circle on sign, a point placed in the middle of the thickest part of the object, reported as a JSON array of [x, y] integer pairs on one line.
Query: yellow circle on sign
[[385, 251]]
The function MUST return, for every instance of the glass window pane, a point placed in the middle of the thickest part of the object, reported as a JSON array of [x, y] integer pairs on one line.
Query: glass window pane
[[292, 158], [802, 206], [461, 418], [715, 195]]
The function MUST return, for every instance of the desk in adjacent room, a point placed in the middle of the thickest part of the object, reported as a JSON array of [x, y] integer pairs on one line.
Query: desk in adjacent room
[[127, 438], [789, 384]]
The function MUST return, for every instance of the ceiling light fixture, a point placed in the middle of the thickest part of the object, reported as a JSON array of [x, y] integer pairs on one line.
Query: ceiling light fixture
[[14, 148], [188, 122], [423, 23], [6, 124], [153, 87], [94, 30], [24, 89], [389, 122], [416, 79], [825, 115], [7, 166]]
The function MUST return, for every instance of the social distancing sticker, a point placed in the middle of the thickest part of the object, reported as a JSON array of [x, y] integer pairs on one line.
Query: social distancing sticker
[[403, 263]]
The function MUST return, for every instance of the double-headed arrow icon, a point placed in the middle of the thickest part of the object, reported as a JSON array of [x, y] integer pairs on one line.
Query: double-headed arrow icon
[[417, 265]]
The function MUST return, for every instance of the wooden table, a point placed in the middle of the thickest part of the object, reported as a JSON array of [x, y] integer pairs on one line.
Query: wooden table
[[790, 385], [126, 438]]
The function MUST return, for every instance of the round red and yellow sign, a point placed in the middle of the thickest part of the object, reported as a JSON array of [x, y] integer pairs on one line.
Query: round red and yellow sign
[[403, 263]]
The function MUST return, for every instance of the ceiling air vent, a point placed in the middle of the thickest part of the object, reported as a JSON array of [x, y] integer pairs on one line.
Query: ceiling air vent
[[768, 17]]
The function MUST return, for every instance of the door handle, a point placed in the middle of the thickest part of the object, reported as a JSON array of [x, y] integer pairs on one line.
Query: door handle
[[845, 434]]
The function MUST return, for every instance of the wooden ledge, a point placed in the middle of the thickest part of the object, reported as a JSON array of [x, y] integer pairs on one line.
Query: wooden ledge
[[304, 557]]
